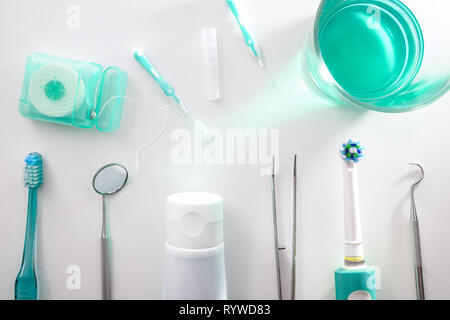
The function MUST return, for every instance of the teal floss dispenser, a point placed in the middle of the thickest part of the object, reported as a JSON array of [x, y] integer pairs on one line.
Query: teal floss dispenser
[[71, 92]]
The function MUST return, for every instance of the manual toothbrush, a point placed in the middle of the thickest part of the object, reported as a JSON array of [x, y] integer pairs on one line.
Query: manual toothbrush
[[26, 283], [355, 280]]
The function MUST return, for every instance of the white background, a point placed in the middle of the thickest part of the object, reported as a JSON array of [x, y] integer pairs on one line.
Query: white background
[[69, 217]]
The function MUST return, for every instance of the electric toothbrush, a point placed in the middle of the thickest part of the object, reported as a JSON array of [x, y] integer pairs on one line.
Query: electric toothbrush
[[173, 97], [355, 280], [26, 283]]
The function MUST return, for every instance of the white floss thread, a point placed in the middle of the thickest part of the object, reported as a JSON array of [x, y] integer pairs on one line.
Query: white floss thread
[[148, 144], [98, 115], [56, 90]]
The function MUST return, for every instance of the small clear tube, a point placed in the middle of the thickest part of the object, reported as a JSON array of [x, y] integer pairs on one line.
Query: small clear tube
[[211, 63]]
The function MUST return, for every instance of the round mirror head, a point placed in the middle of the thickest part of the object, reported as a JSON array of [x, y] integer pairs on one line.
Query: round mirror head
[[110, 179]]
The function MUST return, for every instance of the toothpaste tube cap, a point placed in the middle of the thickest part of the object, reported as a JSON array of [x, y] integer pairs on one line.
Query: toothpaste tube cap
[[194, 220]]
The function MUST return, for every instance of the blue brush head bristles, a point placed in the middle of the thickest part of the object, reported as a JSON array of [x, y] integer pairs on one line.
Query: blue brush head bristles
[[33, 176], [352, 151]]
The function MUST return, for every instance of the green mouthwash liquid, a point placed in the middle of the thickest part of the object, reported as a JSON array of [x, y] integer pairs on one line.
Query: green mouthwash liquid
[[372, 48]]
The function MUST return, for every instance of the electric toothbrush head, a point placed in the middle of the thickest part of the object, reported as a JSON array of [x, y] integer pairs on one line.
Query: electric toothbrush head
[[352, 151]]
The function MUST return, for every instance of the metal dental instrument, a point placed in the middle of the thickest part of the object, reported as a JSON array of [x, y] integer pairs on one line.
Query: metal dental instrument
[[420, 292], [275, 232], [108, 180], [294, 230]]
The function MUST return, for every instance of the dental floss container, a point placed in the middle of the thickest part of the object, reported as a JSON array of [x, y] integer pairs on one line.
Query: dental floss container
[[194, 251], [71, 92]]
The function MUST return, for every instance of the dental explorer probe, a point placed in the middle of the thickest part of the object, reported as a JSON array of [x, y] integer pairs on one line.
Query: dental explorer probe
[[420, 291]]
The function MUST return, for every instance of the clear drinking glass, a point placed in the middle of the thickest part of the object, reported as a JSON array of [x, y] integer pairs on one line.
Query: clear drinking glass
[[385, 55]]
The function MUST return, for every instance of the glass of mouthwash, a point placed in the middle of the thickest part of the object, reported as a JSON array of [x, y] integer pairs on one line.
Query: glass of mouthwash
[[384, 55]]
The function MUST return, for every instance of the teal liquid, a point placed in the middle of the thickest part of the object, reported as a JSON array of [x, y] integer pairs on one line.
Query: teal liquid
[[369, 49]]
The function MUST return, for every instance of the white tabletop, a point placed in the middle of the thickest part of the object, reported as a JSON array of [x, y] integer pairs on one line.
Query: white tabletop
[[69, 217]]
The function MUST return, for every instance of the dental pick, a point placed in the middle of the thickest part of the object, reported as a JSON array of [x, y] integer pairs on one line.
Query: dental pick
[[173, 98], [250, 41], [420, 291]]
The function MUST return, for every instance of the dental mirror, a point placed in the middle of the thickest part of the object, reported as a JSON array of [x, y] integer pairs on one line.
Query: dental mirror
[[108, 180]]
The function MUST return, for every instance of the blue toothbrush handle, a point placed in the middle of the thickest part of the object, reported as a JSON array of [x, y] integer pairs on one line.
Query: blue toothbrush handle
[[26, 287], [26, 282], [355, 284]]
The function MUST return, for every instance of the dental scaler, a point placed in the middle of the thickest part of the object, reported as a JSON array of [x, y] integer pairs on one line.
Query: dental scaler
[[355, 280], [420, 289]]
